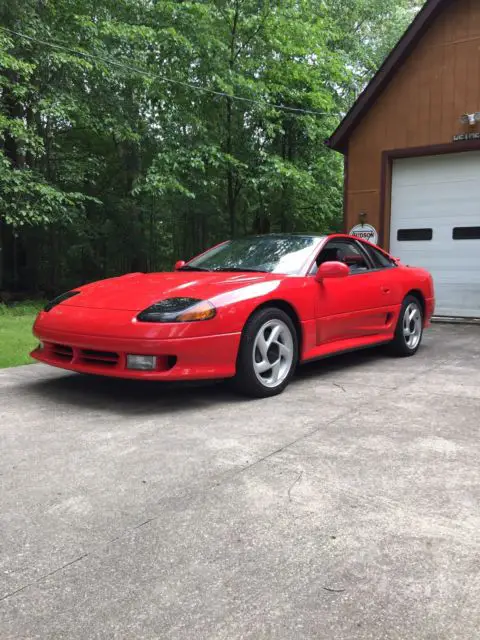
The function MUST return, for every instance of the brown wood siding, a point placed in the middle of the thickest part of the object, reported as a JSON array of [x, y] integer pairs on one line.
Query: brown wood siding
[[420, 107]]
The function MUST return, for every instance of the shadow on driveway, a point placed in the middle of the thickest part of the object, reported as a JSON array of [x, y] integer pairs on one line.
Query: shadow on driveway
[[144, 397]]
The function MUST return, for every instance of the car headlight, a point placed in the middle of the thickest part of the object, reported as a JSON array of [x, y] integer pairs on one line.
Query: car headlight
[[59, 299], [178, 310]]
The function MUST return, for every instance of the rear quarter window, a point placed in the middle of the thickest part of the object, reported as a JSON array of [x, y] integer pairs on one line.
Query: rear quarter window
[[379, 259]]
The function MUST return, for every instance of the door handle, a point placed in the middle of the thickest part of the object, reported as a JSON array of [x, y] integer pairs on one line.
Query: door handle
[[385, 290]]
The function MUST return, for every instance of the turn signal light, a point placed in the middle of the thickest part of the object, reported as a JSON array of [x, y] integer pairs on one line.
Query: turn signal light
[[201, 311]]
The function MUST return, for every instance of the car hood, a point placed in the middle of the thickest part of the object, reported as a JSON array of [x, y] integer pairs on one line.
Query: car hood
[[137, 291]]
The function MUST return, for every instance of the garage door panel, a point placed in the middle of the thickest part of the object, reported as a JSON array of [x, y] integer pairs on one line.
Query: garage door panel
[[456, 296], [447, 199], [440, 193], [412, 170], [448, 267], [434, 249], [447, 214]]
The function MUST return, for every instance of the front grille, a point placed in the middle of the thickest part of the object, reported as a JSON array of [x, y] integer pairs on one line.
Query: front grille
[[101, 358], [62, 352]]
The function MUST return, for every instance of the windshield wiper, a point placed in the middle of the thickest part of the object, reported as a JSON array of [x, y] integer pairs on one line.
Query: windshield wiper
[[240, 270], [187, 267]]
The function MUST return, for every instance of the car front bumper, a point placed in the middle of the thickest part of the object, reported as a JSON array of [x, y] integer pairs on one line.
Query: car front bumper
[[193, 357]]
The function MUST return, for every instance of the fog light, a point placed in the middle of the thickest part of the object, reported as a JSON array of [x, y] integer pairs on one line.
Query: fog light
[[142, 363], [41, 346]]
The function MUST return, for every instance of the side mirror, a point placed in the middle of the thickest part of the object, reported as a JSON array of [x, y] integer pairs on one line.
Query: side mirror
[[179, 264], [332, 270]]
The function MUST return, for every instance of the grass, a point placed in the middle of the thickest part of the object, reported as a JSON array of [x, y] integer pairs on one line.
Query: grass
[[16, 339]]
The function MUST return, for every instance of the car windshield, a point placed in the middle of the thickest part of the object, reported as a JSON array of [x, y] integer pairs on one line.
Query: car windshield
[[269, 254]]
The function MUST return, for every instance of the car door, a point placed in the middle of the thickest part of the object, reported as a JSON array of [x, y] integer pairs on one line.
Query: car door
[[358, 305]]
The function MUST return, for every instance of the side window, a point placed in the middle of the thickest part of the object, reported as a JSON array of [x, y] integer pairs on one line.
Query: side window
[[347, 252], [354, 258], [379, 259]]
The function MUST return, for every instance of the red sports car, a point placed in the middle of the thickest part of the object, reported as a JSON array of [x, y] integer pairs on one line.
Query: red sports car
[[248, 309]]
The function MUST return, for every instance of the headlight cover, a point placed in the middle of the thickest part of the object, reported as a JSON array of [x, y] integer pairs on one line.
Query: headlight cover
[[59, 299], [178, 310]]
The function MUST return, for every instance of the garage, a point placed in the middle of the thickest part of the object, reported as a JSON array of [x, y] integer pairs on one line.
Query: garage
[[411, 144], [435, 223]]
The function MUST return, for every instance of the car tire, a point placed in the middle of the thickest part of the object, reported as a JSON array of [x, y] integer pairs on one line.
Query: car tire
[[409, 329], [268, 354]]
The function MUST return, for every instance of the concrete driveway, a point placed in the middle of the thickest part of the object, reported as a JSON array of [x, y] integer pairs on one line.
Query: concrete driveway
[[348, 508]]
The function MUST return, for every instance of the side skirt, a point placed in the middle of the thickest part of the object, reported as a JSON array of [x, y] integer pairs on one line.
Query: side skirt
[[344, 346]]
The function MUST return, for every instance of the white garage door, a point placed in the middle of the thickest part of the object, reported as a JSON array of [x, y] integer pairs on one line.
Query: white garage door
[[435, 224]]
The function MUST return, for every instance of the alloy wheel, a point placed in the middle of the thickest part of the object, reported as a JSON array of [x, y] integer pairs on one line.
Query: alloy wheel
[[273, 353], [412, 325]]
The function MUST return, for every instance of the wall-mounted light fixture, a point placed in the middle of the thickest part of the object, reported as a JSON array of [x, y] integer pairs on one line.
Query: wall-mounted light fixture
[[470, 118]]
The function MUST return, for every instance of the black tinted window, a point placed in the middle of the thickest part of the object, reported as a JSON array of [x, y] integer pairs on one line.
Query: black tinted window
[[466, 233], [379, 259], [346, 252], [413, 235], [271, 253]]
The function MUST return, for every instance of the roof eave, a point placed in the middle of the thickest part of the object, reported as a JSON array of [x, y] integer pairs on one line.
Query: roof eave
[[339, 139]]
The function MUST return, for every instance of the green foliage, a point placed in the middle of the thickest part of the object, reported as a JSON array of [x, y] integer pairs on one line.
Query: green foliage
[[119, 152], [16, 335]]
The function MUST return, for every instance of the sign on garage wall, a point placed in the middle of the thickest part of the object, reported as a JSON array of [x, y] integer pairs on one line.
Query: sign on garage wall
[[365, 232]]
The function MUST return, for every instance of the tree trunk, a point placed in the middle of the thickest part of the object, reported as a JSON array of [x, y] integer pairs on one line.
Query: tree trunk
[[14, 110], [231, 195], [1, 253], [283, 201], [230, 176]]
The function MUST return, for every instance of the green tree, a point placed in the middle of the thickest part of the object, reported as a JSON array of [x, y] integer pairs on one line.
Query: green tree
[[134, 132]]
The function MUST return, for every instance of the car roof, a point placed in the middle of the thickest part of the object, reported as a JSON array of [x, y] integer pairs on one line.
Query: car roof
[[293, 234], [302, 234], [316, 235]]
